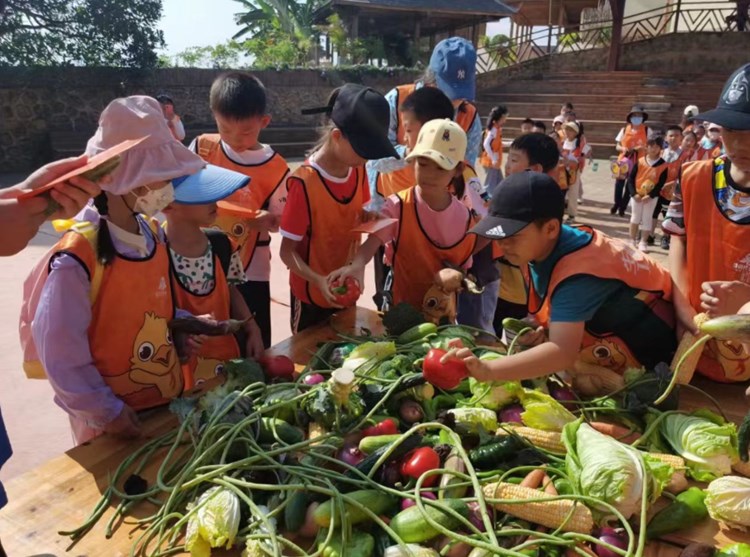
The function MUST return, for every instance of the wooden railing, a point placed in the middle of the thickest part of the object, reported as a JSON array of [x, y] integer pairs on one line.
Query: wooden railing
[[678, 17]]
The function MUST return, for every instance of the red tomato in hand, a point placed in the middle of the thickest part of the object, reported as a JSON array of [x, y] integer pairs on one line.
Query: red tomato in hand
[[420, 461], [444, 376], [277, 366], [346, 293]]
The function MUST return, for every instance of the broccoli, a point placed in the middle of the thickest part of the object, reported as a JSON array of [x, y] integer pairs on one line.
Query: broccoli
[[402, 317], [395, 367]]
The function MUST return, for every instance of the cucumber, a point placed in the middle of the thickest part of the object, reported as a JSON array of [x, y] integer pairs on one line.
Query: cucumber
[[416, 333], [285, 432], [372, 499], [369, 445], [412, 527], [296, 510], [364, 467]]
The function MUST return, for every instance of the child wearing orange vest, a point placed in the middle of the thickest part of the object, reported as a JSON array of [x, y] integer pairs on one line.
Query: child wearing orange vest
[[631, 142], [206, 268], [710, 146], [600, 301], [326, 197], [645, 182], [492, 152], [675, 158], [100, 325], [573, 153], [710, 227], [239, 106], [432, 224]]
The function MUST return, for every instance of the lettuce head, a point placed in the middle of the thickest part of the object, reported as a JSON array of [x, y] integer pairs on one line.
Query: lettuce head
[[728, 501]]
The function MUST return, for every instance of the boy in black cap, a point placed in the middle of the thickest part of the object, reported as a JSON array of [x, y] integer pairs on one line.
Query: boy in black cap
[[603, 302], [710, 227]]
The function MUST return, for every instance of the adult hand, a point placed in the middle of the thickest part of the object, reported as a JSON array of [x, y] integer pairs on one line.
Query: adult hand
[[125, 425], [19, 222], [724, 297]]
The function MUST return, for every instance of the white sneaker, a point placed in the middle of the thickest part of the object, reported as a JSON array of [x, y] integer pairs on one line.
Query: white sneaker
[[643, 246]]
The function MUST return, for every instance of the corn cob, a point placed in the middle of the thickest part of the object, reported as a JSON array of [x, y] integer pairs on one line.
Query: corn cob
[[547, 440], [315, 430], [687, 369], [593, 380], [742, 468], [566, 515], [678, 482]]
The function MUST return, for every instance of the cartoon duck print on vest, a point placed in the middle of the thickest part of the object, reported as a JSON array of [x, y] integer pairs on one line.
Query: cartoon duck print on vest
[[602, 352], [154, 361], [439, 306], [731, 356]]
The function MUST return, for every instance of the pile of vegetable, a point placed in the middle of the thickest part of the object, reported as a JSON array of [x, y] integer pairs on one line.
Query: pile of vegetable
[[377, 449]]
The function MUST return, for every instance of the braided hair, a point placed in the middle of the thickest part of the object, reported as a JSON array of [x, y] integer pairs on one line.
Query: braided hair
[[105, 249]]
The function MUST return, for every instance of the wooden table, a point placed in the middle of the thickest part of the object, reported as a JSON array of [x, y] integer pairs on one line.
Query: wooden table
[[61, 493]]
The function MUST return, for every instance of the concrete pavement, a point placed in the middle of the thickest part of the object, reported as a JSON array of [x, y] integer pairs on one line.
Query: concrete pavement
[[39, 430]]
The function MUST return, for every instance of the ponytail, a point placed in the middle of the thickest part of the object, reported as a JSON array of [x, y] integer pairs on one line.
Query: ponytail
[[105, 249], [459, 185]]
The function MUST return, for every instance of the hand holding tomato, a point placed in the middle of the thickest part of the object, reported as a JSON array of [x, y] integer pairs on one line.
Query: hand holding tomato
[[444, 371], [346, 292], [476, 368]]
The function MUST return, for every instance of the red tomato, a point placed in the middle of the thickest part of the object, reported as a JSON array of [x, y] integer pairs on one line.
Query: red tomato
[[277, 366], [420, 461], [386, 427], [348, 293], [444, 376]]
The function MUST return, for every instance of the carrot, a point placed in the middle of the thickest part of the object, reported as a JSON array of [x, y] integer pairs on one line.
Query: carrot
[[620, 433], [549, 486], [534, 478]]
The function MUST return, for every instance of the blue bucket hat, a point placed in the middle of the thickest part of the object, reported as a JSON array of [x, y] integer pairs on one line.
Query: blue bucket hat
[[454, 63], [208, 185]]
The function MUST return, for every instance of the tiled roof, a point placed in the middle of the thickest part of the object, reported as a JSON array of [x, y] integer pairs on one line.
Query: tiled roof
[[475, 7]]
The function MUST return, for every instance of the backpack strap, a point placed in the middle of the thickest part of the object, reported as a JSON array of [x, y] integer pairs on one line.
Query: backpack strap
[[206, 144], [221, 246], [91, 233]]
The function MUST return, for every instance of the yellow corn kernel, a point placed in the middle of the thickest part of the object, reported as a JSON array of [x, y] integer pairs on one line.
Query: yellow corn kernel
[[687, 369], [547, 440]]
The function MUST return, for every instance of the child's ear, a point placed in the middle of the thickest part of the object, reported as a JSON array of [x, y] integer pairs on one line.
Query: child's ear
[[536, 168], [336, 134], [264, 121]]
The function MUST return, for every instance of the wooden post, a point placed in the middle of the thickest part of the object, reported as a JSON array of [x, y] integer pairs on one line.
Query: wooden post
[[549, 26], [677, 11], [618, 12]]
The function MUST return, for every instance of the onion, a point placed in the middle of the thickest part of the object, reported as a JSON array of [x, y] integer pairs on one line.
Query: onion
[[612, 537], [563, 394], [475, 516], [406, 503], [313, 379], [350, 454], [510, 414], [410, 411]]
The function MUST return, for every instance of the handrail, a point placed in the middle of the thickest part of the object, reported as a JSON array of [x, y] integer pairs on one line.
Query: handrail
[[681, 17]]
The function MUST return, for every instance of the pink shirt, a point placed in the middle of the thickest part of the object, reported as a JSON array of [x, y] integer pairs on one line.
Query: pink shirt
[[445, 228]]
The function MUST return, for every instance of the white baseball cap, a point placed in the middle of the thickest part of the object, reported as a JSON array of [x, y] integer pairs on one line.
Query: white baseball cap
[[443, 141]]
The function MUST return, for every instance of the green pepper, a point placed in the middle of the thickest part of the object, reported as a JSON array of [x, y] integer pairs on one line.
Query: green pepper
[[435, 404], [688, 509], [563, 486], [360, 544]]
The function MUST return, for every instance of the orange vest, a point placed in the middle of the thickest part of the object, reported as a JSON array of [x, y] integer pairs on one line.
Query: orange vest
[[264, 180], [393, 182], [647, 177], [416, 258], [329, 243], [610, 258], [633, 139], [567, 174], [717, 249], [497, 147], [130, 342], [206, 365], [402, 91], [703, 154], [465, 114]]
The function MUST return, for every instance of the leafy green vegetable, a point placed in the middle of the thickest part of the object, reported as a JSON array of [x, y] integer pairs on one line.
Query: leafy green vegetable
[[214, 524], [474, 420], [366, 357], [492, 395], [402, 317], [601, 467], [283, 394], [734, 550], [333, 412], [395, 367], [541, 411], [704, 440], [728, 501]]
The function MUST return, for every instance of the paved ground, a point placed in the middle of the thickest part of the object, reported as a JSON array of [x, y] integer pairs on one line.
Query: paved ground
[[39, 429]]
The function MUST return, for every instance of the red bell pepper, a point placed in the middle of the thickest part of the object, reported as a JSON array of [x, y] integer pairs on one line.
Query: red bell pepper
[[386, 427], [419, 461], [443, 375], [347, 293]]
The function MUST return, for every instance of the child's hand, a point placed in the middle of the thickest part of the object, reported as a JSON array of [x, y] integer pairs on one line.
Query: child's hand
[[265, 221], [532, 338], [477, 368], [126, 425], [324, 285], [352, 270], [254, 347], [724, 297]]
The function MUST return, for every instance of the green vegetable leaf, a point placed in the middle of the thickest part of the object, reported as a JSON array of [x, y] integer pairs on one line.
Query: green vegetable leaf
[[365, 357], [728, 501], [215, 523], [734, 550], [492, 395], [473, 420], [541, 411]]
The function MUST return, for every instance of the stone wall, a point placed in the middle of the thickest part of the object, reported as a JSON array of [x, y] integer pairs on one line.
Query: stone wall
[[38, 105]]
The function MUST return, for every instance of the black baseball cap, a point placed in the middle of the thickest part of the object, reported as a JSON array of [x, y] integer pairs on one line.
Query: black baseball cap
[[363, 116], [733, 109], [518, 201]]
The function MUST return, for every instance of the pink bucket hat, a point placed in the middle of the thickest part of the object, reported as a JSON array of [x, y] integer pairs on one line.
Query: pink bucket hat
[[158, 158]]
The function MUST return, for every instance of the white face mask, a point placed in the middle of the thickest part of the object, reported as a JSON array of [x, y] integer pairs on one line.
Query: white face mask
[[154, 201], [714, 136]]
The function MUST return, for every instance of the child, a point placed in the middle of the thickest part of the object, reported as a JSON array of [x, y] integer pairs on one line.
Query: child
[[100, 327], [492, 154], [326, 196], [673, 156], [573, 153], [239, 106], [689, 143], [557, 127], [527, 126], [392, 175], [710, 225], [537, 153], [646, 179], [432, 224], [631, 142], [173, 121], [710, 146], [206, 269], [539, 127], [600, 301]]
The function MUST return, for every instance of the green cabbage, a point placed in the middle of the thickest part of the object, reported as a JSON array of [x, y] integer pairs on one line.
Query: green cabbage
[[492, 395], [365, 357], [605, 469], [541, 411], [473, 420], [728, 501], [704, 440], [214, 524]]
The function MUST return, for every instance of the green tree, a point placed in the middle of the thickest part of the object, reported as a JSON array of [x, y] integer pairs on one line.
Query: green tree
[[290, 16], [80, 32]]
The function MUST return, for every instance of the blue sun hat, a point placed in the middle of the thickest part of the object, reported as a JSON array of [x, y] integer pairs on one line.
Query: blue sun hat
[[454, 63], [208, 185]]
